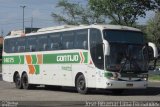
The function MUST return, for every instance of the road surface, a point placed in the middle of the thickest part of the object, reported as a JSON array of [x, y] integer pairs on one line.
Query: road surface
[[69, 96]]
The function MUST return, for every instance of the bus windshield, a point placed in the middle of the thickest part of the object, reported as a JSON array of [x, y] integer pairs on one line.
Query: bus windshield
[[126, 51]]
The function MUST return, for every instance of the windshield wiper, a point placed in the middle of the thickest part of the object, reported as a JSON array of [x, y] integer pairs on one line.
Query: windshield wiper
[[123, 65], [134, 62], [131, 61]]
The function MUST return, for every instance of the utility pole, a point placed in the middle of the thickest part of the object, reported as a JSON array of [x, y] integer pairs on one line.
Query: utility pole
[[1, 32], [31, 24], [23, 17]]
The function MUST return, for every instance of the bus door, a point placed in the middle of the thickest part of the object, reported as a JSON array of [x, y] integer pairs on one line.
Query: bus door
[[97, 56]]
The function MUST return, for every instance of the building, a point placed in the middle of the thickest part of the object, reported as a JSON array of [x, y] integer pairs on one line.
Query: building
[[20, 32], [1, 40]]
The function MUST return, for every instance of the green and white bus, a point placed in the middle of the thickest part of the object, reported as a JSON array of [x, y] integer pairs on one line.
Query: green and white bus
[[86, 56]]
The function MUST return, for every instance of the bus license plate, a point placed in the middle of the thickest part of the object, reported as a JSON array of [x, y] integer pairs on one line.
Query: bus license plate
[[129, 85]]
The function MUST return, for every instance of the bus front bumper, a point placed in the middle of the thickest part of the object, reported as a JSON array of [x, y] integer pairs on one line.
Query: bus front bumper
[[126, 84]]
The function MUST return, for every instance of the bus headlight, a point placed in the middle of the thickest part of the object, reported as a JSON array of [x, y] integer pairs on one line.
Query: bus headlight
[[113, 78], [145, 79]]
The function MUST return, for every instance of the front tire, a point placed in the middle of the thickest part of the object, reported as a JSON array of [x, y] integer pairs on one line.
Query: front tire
[[81, 85]]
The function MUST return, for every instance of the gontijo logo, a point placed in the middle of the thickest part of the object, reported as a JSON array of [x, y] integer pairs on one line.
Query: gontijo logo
[[80, 57], [70, 58], [66, 58]]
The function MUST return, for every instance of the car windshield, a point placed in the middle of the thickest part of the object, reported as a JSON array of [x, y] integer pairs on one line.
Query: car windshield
[[126, 52]]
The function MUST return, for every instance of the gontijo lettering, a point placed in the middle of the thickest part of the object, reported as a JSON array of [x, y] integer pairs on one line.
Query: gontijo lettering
[[70, 58]]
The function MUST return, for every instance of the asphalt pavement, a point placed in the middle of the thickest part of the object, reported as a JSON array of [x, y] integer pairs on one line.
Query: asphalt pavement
[[41, 97]]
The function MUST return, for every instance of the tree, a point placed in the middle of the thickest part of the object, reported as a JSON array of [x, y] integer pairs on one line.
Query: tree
[[75, 14], [153, 29], [158, 4], [123, 12]]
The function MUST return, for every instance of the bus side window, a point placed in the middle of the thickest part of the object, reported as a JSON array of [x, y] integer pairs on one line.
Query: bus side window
[[96, 48], [43, 43], [81, 41], [21, 44], [13, 49], [13, 45], [7, 45], [32, 44], [54, 41], [68, 40]]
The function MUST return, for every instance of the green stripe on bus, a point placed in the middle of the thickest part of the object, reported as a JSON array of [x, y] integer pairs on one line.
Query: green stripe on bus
[[86, 57], [49, 58], [61, 58], [34, 59], [11, 59], [21, 59], [37, 69]]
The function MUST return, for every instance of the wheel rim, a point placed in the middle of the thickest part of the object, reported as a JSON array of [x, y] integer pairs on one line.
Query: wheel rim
[[81, 84]]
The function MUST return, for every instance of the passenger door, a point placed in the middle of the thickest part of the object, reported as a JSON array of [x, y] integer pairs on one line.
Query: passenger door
[[97, 58]]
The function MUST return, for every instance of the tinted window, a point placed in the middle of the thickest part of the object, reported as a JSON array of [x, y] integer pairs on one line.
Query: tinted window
[[54, 41], [6, 46], [21, 44], [32, 44], [96, 48], [81, 41], [122, 36], [68, 40], [13, 45], [43, 43]]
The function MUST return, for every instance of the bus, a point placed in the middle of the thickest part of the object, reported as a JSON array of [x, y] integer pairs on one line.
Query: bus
[[86, 57]]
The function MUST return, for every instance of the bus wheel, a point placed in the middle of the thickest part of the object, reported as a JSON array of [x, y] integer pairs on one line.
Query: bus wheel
[[18, 82], [25, 83], [81, 85]]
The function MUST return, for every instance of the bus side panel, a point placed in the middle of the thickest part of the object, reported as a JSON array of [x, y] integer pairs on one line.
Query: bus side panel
[[6, 73], [49, 75], [80, 68]]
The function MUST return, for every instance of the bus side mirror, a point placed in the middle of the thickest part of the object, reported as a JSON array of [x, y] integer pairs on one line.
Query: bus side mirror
[[106, 47], [152, 51]]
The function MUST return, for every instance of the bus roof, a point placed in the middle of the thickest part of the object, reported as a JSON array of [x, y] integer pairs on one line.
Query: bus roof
[[74, 27]]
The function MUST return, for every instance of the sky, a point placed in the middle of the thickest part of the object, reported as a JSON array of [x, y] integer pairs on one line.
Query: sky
[[11, 14]]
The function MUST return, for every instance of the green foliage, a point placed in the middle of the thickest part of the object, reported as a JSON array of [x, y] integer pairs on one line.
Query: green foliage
[[75, 14], [123, 12], [154, 77], [153, 29], [143, 29], [158, 3]]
